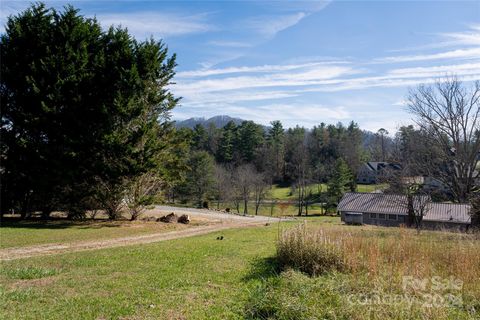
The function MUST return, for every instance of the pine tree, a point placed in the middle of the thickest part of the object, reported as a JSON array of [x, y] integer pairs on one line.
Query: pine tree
[[276, 143], [339, 183], [226, 144]]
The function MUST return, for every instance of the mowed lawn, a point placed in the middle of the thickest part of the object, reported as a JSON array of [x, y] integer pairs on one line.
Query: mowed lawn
[[25, 233]]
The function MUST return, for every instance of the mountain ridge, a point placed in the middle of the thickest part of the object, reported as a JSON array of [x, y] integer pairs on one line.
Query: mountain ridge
[[219, 121]]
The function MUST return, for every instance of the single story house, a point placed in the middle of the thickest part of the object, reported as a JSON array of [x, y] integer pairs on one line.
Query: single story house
[[371, 172], [391, 210]]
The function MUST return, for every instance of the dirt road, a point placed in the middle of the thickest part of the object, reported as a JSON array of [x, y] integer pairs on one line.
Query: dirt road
[[221, 222]]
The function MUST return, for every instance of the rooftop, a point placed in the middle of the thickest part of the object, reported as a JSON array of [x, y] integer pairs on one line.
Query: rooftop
[[397, 204]]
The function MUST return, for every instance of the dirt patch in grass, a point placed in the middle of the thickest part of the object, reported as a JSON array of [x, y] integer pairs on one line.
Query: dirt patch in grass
[[25, 284]]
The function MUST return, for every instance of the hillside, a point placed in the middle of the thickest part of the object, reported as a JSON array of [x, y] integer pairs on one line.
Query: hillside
[[218, 121]]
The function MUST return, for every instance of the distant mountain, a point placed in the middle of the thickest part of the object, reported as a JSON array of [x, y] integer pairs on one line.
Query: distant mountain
[[218, 121]]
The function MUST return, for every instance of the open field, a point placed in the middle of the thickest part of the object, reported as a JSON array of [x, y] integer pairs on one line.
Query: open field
[[284, 193], [236, 278]]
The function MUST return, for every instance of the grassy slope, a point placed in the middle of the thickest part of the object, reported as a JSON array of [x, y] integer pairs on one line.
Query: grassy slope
[[193, 278], [18, 234], [201, 279]]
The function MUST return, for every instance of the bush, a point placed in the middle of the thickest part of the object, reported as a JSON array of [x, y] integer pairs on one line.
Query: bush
[[310, 252]]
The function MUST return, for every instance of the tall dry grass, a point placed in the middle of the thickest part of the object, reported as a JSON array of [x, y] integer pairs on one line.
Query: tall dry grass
[[384, 252]]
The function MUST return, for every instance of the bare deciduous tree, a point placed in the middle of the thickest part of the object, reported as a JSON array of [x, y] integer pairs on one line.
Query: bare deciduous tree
[[244, 181], [140, 192], [223, 184], [260, 189], [300, 169], [109, 196], [450, 112], [412, 196]]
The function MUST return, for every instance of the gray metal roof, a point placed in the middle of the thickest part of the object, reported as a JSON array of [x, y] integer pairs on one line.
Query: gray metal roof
[[397, 204], [380, 165], [374, 203], [448, 212]]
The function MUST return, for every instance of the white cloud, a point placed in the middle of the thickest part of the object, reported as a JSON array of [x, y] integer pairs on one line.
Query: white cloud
[[269, 26], [400, 77], [203, 98], [145, 24], [288, 81], [309, 76], [471, 37], [255, 69], [472, 53], [229, 44], [436, 71], [140, 24]]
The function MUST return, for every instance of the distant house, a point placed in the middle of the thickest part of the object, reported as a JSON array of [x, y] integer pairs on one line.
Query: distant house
[[372, 171], [431, 184], [391, 210]]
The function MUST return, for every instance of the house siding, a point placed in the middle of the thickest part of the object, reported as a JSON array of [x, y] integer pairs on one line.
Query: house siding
[[351, 218], [439, 225], [384, 222]]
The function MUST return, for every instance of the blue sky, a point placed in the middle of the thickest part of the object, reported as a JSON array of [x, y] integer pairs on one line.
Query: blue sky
[[301, 62]]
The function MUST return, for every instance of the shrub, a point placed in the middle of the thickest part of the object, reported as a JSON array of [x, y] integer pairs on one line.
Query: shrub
[[310, 252]]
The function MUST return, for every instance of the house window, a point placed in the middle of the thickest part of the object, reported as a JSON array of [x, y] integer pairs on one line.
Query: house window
[[381, 216], [392, 217], [373, 216], [401, 218]]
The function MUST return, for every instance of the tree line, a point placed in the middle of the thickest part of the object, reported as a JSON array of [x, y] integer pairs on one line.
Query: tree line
[[239, 159]]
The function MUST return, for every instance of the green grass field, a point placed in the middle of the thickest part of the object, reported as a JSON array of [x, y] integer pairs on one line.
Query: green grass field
[[25, 233], [284, 193], [202, 278], [193, 278]]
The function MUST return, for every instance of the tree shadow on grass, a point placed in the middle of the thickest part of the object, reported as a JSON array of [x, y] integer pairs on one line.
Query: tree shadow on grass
[[57, 223], [262, 268]]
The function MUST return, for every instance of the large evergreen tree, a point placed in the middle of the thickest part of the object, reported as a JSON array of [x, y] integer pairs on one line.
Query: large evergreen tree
[[250, 136], [82, 109], [276, 147], [226, 144], [339, 183]]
